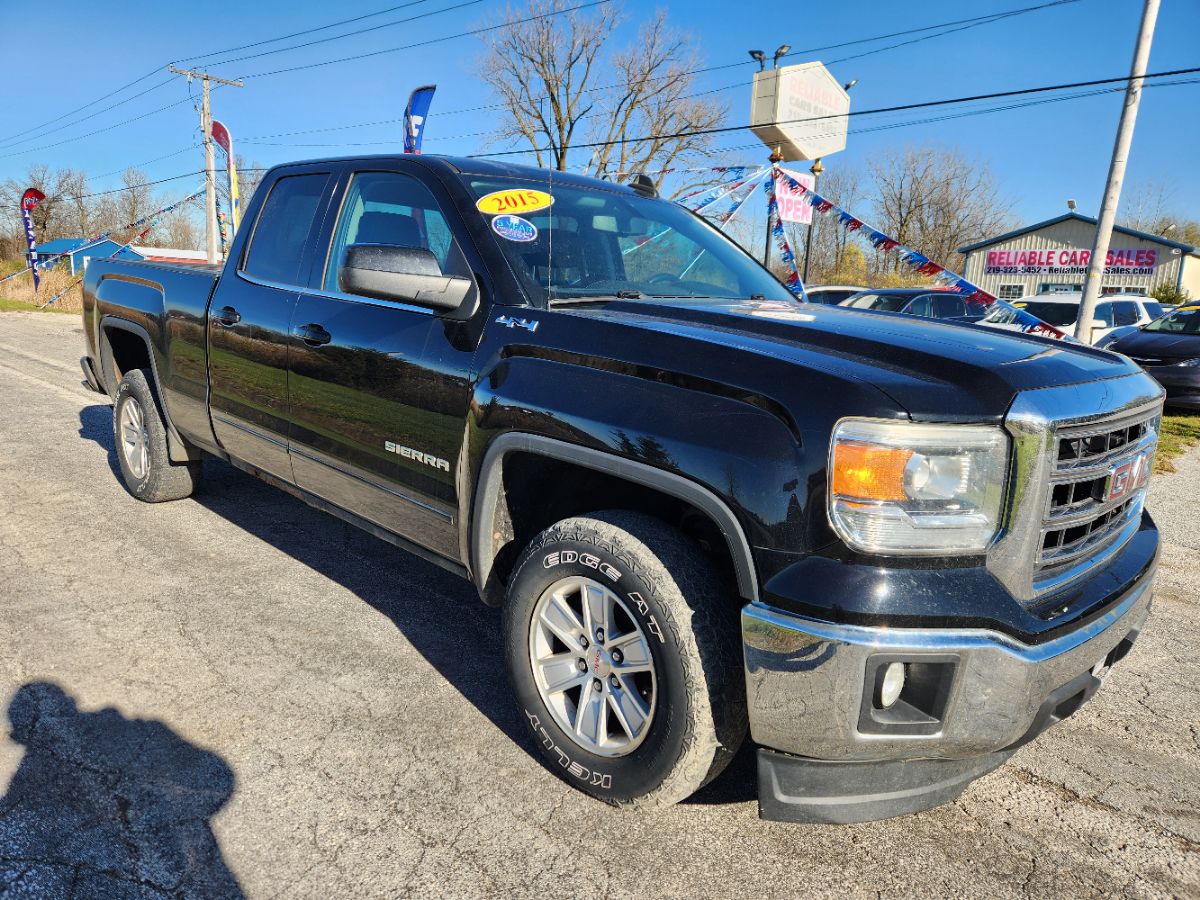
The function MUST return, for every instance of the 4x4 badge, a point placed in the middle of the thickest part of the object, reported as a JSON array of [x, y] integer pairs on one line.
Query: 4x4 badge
[[513, 322]]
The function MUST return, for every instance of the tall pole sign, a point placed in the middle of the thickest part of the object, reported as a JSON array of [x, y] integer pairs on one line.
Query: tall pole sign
[[29, 201]]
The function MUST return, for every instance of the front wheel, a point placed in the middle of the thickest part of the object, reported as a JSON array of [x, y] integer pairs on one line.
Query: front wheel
[[624, 655]]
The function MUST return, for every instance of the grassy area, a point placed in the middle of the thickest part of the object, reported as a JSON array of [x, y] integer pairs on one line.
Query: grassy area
[[1179, 432], [7, 305]]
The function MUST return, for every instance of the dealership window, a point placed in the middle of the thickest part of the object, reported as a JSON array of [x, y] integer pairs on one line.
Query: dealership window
[[1010, 291], [1053, 287]]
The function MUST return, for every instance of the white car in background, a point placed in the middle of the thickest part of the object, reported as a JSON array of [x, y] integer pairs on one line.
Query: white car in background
[[1114, 311], [831, 294]]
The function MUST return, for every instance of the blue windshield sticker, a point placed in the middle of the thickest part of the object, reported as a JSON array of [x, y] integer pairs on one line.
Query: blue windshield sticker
[[514, 228]]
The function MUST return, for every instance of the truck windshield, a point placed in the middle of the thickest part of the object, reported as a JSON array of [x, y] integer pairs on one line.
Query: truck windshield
[[1058, 314], [569, 242]]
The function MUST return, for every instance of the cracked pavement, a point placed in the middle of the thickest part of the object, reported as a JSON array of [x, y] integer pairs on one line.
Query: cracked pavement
[[236, 694]]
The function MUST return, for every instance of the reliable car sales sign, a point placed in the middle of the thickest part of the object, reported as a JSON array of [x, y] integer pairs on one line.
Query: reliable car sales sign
[[801, 110], [1120, 261]]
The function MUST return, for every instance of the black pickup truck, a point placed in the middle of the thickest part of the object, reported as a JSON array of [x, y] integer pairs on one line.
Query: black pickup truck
[[893, 550]]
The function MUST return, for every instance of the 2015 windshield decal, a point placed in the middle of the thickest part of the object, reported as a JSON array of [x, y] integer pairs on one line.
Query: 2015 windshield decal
[[521, 200], [514, 228]]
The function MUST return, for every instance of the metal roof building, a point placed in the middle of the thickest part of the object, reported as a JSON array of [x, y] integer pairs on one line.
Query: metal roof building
[[77, 251], [1053, 256]]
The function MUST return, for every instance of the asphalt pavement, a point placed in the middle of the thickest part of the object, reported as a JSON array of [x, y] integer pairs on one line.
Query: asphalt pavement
[[238, 695]]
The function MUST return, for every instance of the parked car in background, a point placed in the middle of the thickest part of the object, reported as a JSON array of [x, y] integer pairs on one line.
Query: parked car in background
[[1062, 311], [831, 294], [1169, 350], [928, 303]]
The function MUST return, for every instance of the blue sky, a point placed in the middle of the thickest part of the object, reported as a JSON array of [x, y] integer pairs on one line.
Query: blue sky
[[1041, 155]]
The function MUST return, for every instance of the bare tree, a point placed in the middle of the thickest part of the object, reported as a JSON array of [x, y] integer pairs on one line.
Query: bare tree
[[544, 70], [937, 200]]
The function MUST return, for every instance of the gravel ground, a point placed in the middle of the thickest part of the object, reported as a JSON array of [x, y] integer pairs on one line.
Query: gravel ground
[[236, 694]]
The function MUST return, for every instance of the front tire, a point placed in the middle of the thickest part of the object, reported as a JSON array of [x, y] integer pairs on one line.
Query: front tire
[[623, 651], [141, 441]]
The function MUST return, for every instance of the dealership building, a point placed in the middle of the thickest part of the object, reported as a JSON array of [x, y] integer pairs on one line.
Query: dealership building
[[1052, 256]]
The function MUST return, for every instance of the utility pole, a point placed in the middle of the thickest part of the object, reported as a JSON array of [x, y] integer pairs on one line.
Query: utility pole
[[1116, 174], [210, 181], [774, 159], [816, 170]]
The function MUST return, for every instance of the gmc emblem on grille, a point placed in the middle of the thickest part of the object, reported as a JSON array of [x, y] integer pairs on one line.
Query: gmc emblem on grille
[[1129, 476]]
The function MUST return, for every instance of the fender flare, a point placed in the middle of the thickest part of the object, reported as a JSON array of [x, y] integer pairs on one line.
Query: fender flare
[[176, 444], [487, 495]]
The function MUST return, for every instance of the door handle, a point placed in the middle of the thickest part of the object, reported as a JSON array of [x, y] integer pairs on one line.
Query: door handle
[[227, 315], [313, 335]]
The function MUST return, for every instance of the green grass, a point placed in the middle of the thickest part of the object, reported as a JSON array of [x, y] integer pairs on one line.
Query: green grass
[[7, 305], [1179, 432]]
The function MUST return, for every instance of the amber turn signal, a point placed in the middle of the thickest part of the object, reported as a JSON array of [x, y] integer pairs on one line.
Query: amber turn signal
[[868, 472]]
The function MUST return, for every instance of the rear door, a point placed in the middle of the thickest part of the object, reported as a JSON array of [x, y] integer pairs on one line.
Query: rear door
[[379, 389], [249, 321]]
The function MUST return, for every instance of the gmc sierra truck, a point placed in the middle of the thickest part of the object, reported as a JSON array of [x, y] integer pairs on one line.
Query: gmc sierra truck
[[891, 550]]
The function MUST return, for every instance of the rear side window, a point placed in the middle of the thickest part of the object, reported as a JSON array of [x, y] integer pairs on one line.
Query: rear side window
[[283, 227], [948, 306]]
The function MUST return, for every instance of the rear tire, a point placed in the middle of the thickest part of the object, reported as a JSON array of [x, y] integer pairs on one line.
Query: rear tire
[[141, 441], [680, 674]]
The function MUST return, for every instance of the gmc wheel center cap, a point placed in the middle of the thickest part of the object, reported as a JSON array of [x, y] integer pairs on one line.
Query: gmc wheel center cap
[[601, 662]]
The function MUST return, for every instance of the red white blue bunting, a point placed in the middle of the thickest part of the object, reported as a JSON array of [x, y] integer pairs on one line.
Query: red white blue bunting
[[100, 238], [918, 262]]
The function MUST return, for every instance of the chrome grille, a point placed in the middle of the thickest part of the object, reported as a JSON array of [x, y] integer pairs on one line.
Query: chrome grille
[[1086, 509]]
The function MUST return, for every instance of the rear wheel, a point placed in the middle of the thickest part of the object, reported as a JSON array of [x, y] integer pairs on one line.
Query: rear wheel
[[623, 652], [141, 442]]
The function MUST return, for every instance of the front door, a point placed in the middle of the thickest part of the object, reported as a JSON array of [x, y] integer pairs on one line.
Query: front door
[[379, 390], [249, 320]]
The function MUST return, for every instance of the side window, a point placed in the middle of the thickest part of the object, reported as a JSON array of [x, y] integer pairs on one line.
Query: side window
[[948, 306], [1125, 312], [283, 227], [1153, 309], [921, 306], [1104, 314], [392, 208]]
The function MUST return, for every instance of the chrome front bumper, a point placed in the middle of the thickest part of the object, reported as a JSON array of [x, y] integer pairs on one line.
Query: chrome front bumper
[[807, 681]]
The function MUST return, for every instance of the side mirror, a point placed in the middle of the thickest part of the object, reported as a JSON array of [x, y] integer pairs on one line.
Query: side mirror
[[406, 274], [1099, 323]]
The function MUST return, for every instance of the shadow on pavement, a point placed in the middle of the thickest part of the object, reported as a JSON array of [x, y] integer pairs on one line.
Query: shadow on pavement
[[439, 613], [105, 806]]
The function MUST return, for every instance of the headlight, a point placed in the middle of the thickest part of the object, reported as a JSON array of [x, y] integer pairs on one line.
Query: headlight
[[916, 489]]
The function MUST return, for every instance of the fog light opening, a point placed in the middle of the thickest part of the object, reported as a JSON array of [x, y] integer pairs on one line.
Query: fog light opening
[[891, 685]]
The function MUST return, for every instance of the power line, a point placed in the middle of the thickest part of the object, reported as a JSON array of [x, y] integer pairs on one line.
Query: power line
[[134, 187], [861, 112], [966, 23], [10, 138], [7, 144], [89, 134], [284, 37], [437, 40], [338, 37], [138, 80]]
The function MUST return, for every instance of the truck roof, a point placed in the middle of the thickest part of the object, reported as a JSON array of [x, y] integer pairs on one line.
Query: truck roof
[[464, 165]]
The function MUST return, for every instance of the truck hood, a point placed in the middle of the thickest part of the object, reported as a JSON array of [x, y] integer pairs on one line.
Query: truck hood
[[934, 371]]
